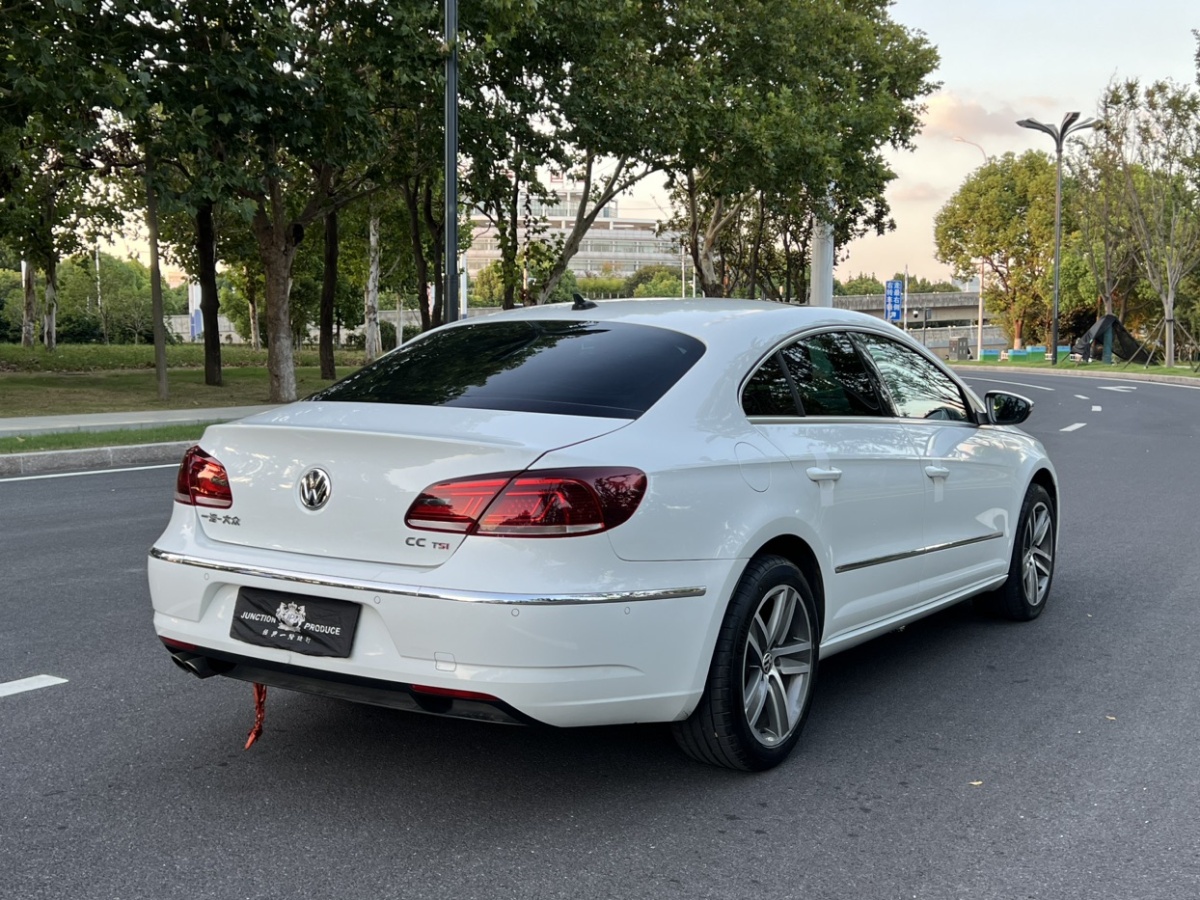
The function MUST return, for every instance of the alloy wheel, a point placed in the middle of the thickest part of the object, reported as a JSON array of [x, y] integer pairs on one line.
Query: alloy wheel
[[1037, 554], [777, 665]]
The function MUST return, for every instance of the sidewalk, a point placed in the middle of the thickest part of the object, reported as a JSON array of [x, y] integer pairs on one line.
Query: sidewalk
[[17, 464]]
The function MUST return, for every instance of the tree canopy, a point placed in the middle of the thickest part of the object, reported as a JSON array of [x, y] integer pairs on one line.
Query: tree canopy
[[259, 127]]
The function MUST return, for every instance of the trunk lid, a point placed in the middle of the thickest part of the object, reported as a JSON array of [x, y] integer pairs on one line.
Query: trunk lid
[[378, 458]]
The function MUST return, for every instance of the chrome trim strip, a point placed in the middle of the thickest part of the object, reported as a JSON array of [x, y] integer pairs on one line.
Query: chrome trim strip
[[424, 593], [922, 551]]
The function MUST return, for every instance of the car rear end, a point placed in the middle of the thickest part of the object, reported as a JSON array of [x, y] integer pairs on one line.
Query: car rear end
[[405, 538]]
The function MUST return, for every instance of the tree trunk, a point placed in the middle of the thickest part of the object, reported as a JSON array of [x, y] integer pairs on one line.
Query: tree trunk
[[328, 294], [710, 281], [252, 302], [509, 241], [437, 237], [703, 244], [29, 313], [373, 345], [420, 264], [50, 309], [1169, 327], [156, 298], [754, 252], [206, 255], [277, 238]]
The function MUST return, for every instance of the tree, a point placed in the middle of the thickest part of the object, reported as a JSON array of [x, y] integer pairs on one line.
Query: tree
[[791, 99], [487, 287], [664, 284], [859, 285], [53, 139], [277, 105], [919, 285], [513, 72], [11, 301], [1107, 243], [1156, 132], [1004, 214], [377, 259], [614, 125]]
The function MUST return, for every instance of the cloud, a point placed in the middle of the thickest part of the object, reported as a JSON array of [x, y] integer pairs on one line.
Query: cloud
[[950, 115], [902, 191]]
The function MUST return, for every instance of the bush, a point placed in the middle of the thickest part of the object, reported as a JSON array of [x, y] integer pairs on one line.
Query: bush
[[387, 336]]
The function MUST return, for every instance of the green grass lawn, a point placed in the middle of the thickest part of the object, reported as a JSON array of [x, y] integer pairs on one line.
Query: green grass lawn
[[76, 358], [62, 393], [80, 440], [120, 378]]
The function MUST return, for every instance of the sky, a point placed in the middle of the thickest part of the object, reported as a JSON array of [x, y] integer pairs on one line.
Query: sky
[[1002, 61]]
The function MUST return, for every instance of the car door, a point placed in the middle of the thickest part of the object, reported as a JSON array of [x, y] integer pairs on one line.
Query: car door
[[858, 482], [970, 476]]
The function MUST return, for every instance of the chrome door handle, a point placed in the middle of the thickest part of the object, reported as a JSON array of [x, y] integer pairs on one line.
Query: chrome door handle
[[937, 472], [820, 475]]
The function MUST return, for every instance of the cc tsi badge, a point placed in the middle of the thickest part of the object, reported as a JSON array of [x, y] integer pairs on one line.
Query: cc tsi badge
[[315, 489]]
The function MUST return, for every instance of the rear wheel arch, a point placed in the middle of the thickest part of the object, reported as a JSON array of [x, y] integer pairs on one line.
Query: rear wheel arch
[[799, 553]]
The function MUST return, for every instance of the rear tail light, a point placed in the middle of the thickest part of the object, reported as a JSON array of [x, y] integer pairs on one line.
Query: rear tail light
[[454, 505], [202, 481], [555, 503]]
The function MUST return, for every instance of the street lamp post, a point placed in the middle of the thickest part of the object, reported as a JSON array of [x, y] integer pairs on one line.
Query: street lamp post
[[450, 289], [1070, 125], [979, 326]]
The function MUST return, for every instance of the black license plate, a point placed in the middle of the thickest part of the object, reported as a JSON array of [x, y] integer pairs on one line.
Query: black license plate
[[314, 625]]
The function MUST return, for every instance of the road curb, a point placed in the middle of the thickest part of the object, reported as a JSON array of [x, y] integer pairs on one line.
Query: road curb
[[47, 462]]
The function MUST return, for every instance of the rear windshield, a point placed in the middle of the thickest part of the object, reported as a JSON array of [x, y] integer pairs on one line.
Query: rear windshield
[[606, 369]]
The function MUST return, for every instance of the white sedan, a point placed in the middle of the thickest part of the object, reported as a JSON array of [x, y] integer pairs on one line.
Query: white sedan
[[638, 511]]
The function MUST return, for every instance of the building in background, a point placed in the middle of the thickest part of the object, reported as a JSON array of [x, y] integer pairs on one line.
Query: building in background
[[614, 245]]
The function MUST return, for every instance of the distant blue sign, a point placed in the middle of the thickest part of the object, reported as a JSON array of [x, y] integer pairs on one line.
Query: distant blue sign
[[893, 301]]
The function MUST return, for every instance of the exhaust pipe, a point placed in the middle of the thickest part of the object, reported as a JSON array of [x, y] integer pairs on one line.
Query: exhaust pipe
[[200, 666]]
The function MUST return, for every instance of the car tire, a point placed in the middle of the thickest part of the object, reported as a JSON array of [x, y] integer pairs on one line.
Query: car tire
[[1031, 569], [764, 667]]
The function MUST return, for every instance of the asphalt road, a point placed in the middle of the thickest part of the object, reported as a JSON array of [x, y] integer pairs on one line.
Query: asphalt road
[[964, 757]]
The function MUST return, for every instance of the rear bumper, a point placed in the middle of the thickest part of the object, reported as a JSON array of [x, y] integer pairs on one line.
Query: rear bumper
[[394, 695], [636, 651]]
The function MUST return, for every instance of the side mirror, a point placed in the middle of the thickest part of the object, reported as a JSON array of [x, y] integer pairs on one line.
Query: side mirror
[[1006, 409]]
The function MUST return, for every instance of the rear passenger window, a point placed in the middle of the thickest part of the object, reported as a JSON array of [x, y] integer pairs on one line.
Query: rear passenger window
[[830, 377], [768, 393]]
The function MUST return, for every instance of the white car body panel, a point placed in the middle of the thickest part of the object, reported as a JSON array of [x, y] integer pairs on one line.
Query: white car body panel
[[613, 627], [380, 458]]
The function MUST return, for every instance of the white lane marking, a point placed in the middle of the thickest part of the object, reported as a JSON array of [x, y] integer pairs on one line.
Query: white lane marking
[[88, 472], [1074, 427], [1080, 397], [29, 684], [1120, 388], [1036, 387], [1095, 409]]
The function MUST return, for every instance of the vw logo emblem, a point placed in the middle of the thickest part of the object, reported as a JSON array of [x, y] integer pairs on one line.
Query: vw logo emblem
[[315, 489]]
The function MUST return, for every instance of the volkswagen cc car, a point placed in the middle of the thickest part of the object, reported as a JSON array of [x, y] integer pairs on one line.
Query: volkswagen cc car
[[600, 513]]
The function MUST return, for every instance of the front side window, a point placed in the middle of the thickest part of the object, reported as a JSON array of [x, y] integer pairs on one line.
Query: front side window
[[830, 377], [918, 388]]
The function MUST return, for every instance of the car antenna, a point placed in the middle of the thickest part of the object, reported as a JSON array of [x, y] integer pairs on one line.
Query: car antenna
[[581, 302]]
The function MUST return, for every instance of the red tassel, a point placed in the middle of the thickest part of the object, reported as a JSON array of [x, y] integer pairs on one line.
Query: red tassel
[[260, 713]]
